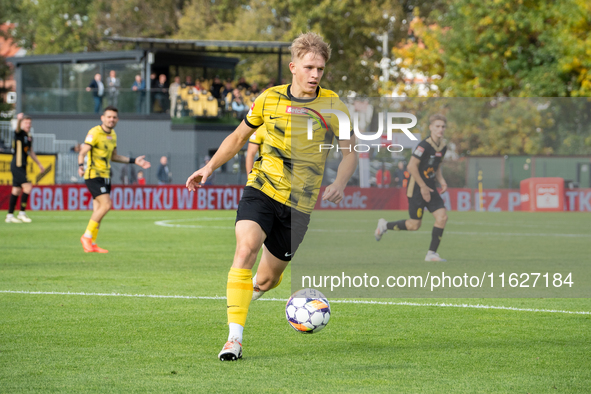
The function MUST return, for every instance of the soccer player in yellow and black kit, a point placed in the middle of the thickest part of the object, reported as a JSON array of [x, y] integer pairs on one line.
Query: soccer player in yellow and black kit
[[100, 147], [23, 147], [283, 186], [424, 168]]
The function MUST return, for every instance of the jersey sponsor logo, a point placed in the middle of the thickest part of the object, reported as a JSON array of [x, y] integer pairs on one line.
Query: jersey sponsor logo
[[420, 213], [429, 173], [296, 110], [419, 151]]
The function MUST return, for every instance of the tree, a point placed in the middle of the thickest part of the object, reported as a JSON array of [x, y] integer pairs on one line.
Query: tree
[[53, 26], [136, 18]]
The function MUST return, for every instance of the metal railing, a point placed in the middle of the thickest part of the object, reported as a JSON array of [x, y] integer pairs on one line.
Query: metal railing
[[5, 136]]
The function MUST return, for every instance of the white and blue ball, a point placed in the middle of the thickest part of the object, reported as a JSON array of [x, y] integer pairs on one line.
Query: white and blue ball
[[307, 311]]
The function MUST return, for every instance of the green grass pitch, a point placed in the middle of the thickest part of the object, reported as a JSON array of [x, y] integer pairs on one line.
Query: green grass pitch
[[94, 343]]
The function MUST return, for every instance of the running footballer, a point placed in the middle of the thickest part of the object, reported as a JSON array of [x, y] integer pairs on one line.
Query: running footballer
[[424, 168], [100, 148], [283, 186]]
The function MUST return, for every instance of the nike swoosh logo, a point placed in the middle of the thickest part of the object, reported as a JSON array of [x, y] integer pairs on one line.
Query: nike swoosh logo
[[274, 117], [288, 254], [233, 306]]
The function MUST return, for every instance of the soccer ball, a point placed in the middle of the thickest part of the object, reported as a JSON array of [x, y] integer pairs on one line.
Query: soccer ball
[[307, 311]]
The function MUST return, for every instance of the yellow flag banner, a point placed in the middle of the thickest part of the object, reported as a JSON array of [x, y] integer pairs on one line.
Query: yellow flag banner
[[34, 174]]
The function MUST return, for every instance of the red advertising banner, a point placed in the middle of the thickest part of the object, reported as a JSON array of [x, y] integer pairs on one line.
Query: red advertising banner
[[77, 197]]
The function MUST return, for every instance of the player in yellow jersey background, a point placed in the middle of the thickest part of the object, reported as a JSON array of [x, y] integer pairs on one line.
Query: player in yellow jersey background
[[100, 148], [282, 188]]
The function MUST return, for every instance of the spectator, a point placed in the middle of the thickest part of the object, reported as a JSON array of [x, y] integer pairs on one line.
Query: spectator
[[238, 106], [113, 85], [140, 178], [383, 177], [164, 174], [153, 81], [242, 84], [160, 96], [228, 91], [399, 174], [198, 87], [139, 86], [188, 81], [216, 88], [173, 92], [254, 88], [98, 90]]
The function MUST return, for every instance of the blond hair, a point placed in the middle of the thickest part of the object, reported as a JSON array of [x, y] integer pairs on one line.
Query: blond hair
[[20, 121], [437, 117], [309, 42]]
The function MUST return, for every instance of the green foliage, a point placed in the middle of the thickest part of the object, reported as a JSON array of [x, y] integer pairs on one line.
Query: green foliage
[[54, 26], [135, 18], [253, 21]]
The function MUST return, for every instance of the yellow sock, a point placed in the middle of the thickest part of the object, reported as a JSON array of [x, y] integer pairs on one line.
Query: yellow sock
[[239, 293], [92, 225], [279, 282], [94, 235]]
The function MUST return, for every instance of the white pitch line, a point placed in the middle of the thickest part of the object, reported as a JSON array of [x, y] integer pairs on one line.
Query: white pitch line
[[167, 223], [445, 305]]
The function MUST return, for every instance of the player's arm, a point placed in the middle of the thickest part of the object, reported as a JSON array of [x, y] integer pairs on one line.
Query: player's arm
[[228, 149], [251, 153], [413, 169], [84, 148], [335, 192], [140, 161], [36, 160], [441, 180]]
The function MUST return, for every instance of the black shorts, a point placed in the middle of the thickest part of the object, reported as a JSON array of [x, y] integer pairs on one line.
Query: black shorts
[[416, 203], [19, 175], [285, 227], [98, 186]]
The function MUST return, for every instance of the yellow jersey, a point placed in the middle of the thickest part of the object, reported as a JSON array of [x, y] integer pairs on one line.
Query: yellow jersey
[[291, 166], [102, 145], [258, 137]]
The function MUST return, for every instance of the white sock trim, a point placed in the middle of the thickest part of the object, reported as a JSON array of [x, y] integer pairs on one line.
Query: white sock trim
[[236, 331]]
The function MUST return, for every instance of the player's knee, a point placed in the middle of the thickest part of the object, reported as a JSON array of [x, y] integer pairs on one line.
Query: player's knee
[[441, 218], [245, 254], [413, 225], [106, 206]]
